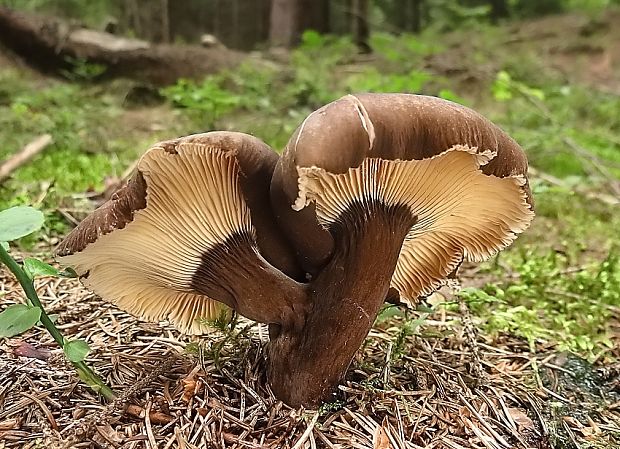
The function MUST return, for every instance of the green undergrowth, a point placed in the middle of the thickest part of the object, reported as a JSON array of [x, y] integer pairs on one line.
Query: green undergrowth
[[569, 131], [558, 286], [264, 99]]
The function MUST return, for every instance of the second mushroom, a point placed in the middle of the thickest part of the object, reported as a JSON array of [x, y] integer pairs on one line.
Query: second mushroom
[[375, 195]]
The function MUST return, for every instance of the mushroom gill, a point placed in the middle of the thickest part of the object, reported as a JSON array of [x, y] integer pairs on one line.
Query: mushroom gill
[[462, 213]]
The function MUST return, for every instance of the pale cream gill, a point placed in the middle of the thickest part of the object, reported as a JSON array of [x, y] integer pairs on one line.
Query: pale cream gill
[[194, 202], [463, 214]]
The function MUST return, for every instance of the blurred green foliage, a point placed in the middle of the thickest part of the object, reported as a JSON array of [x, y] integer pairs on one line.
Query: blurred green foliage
[[206, 102]]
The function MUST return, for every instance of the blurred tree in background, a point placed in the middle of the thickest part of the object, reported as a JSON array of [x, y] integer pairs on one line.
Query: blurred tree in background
[[251, 24]]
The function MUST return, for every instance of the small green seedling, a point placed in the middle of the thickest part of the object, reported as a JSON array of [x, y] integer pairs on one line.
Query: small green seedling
[[15, 223]]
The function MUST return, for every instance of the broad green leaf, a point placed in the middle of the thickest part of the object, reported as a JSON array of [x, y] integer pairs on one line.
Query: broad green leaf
[[35, 268], [5, 245], [76, 350], [18, 318], [18, 222], [414, 324]]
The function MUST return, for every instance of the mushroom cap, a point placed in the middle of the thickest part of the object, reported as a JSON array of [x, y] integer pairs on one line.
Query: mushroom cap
[[143, 248], [461, 175]]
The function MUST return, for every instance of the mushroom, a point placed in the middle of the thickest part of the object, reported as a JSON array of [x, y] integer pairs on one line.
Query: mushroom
[[181, 240], [383, 193], [375, 196]]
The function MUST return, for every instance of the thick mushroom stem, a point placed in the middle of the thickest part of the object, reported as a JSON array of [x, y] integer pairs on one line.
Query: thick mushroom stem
[[235, 274], [306, 366]]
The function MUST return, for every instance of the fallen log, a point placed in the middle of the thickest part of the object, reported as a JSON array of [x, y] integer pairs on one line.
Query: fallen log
[[53, 46]]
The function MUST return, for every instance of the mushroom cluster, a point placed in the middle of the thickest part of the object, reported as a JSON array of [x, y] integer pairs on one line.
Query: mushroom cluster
[[375, 196]]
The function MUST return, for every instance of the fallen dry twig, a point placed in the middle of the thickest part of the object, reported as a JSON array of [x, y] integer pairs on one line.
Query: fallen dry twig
[[28, 152]]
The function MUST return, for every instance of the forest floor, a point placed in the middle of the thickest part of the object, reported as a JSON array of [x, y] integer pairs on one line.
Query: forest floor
[[547, 310]]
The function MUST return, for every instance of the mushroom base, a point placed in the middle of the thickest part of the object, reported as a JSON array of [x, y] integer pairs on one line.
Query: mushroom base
[[306, 365]]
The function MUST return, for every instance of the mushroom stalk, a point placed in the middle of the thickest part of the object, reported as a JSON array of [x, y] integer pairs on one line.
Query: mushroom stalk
[[235, 274], [306, 366]]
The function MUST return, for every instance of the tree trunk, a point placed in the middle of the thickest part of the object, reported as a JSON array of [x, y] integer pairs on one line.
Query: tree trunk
[[306, 366], [165, 22], [416, 16], [134, 14], [314, 15], [359, 22], [282, 23], [407, 15], [499, 10], [290, 18]]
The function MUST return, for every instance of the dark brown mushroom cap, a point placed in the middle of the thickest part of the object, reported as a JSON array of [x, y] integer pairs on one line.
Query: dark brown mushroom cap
[[358, 132], [155, 248], [343, 133]]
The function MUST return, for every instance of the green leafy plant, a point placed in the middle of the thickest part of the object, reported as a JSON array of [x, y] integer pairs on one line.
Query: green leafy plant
[[505, 88], [371, 80], [315, 63], [82, 70], [16, 223], [252, 83], [569, 131], [85, 147], [408, 326], [408, 329], [448, 94], [207, 101], [404, 52], [230, 334], [447, 14]]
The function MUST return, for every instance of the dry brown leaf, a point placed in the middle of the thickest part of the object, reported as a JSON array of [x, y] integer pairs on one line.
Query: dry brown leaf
[[380, 439], [24, 349], [463, 411], [191, 385], [10, 424], [521, 419], [156, 417], [573, 423], [587, 432], [109, 434], [596, 429]]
